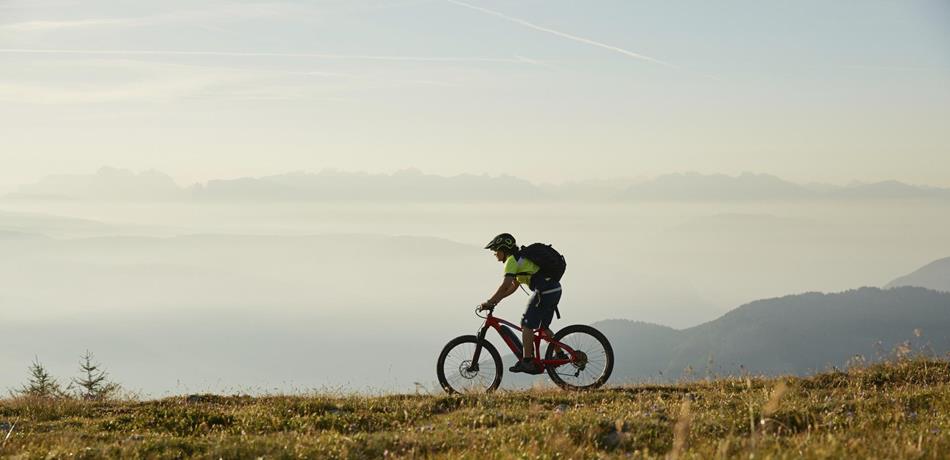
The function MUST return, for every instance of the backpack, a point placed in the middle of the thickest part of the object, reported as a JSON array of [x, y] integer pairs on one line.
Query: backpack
[[551, 263]]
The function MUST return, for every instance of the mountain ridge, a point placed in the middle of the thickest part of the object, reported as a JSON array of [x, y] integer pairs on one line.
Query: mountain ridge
[[935, 275], [798, 333], [412, 185]]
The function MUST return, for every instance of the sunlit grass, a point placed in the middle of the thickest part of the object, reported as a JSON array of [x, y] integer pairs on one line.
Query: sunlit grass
[[894, 410]]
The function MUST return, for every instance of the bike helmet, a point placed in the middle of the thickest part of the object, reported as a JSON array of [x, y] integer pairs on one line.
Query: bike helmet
[[504, 242]]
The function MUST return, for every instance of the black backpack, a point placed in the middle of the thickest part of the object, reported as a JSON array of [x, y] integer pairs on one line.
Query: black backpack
[[551, 263]]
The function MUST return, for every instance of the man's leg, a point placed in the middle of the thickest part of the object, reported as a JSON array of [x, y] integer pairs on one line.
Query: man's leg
[[549, 304], [537, 315], [527, 341], [527, 337], [531, 321]]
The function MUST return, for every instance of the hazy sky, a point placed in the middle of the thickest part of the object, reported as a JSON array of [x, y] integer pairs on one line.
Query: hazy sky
[[548, 90]]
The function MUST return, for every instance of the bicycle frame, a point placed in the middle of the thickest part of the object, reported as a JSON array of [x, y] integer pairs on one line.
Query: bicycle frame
[[493, 322]]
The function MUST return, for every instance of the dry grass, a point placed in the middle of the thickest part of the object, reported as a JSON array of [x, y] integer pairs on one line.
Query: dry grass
[[896, 410]]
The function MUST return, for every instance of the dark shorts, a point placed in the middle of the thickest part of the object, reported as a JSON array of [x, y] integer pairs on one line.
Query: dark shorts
[[541, 306]]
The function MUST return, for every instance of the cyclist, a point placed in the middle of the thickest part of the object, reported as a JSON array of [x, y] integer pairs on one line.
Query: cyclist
[[541, 306]]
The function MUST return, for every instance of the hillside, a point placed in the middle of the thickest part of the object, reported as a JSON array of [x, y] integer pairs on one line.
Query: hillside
[[33, 225], [795, 334], [935, 275], [895, 410]]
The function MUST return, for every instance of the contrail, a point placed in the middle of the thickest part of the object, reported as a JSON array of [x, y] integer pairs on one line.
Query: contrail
[[563, 34], [261, 54]]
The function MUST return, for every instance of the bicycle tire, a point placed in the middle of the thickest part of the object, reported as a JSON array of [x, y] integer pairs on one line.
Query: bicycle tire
[[445, 381], [596, 335]]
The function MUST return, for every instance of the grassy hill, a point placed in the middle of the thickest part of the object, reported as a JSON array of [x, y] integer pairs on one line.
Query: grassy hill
[[893, 410]]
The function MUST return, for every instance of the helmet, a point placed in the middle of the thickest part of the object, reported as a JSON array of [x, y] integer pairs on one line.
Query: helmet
[[503, 242]]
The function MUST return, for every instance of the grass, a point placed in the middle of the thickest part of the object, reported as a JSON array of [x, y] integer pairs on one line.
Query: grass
[[893, 410]]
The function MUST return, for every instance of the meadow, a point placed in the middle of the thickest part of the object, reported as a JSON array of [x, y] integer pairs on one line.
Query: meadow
[[899, 409]]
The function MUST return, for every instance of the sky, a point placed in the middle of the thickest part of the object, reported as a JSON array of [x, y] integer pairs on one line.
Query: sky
[[550, 91]]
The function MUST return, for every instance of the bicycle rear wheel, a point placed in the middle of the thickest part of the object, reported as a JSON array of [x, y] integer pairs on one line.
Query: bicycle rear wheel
[[455, 370], [594, 363]]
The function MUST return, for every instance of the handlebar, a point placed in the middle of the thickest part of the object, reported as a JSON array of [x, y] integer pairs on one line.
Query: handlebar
[[479, 310]]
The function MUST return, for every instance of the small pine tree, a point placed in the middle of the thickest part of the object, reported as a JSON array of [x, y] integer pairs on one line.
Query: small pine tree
[[92, 383], [41, 384]]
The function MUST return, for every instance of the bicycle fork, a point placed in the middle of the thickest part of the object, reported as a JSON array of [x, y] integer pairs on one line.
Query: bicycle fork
[[473, 367]]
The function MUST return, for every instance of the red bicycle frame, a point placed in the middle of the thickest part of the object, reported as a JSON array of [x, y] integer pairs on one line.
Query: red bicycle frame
[[515, 345]]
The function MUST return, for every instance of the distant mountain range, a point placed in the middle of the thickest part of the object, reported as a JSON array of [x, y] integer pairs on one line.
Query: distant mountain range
[[407, 185], [796, 334], [765, 187], [107, 184], [112, 184], [935, 275]]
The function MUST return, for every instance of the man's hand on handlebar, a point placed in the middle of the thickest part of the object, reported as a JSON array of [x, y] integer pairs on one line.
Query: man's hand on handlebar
[[486, 306]]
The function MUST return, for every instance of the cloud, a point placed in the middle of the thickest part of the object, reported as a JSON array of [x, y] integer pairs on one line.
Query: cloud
[[359, 57], [537, 62], [42, 26], [200, 17], [568, 36], [148, 81], [129, 80], [153, 91]]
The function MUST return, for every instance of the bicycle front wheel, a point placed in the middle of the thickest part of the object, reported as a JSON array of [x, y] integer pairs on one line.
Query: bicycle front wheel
[[456, 371], [592, 364]]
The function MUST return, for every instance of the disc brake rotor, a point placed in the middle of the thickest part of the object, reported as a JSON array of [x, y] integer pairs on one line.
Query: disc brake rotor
[[467, 370]]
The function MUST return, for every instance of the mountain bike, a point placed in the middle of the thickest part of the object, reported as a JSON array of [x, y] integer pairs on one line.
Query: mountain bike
[[577, 357]]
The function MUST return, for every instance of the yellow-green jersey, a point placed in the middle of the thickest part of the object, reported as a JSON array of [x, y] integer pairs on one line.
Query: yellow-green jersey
[[521, 269]]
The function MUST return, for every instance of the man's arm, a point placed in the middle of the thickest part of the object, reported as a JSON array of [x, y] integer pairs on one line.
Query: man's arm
[[508, 286]]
